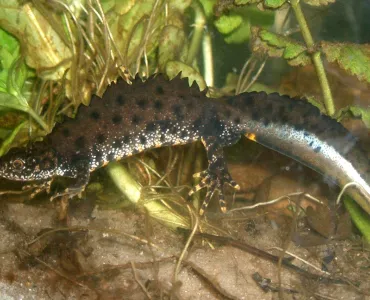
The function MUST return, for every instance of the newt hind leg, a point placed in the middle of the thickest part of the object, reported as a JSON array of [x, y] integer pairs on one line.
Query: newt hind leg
[[216, 175]]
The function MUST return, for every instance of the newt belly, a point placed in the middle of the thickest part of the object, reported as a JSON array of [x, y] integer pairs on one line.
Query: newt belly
[[133, 118]]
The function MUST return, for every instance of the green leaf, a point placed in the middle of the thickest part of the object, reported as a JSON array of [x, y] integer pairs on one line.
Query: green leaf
[[359, 217], [355, 111], [273, 3], [9, 51], [226, 24], [236, 25], [276, 45], [9, 101], [42, 47], [10, 138], [120, 7], [240, 35], [135, 40], [4, 133], [107, 5], [208, 6], [173, 68], [319, 2], [362, 113], [172, 46], [316, 103], [137, 25], [18, 74], [353, 58], [291, 48], [8, 42], [264, 19]]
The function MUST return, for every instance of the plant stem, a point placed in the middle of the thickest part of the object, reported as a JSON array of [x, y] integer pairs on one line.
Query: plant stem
[[8, 140], [359, 217], [132, 190], [316, 58], [37, 118], [208, 59], [199, 22]]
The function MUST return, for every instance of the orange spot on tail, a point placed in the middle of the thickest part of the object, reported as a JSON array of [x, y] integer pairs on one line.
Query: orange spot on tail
[[251, 136]]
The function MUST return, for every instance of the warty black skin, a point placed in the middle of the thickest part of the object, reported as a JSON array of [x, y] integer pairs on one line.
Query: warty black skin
[[133, 118]]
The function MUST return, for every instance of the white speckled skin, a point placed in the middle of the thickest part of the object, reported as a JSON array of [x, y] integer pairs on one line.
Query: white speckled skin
[[310, 150], [133, 118]]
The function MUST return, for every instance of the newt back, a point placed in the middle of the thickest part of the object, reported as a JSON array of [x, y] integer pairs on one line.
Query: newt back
[[133, 118]]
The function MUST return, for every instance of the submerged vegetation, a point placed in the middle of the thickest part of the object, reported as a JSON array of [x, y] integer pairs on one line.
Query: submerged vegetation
[[56, 54]]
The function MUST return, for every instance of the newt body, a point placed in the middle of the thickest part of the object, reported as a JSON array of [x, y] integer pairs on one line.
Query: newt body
[[133, 118]]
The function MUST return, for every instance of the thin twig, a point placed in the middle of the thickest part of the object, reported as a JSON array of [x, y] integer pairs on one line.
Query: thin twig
[[82, 228], [348, 185], [302, 260], [276, 200], [139, 281], [255, 77], [267, 256], [189, 240], [57, 271]]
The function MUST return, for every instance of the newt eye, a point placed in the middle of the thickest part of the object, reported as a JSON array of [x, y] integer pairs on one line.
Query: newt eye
[[18, 164]]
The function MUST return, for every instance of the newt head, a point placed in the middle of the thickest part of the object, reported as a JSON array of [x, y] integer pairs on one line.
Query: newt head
[[27, 164]]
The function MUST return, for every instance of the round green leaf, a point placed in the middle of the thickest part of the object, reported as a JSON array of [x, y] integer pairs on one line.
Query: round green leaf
[[226, 24]]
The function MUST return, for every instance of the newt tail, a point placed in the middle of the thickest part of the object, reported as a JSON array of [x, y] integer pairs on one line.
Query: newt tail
[[129, 119]]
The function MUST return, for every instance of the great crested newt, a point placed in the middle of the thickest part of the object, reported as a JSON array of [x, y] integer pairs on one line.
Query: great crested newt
[[129, 119]]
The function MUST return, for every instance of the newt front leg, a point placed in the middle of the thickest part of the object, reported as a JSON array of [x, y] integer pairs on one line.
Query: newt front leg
[[82, 174]]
